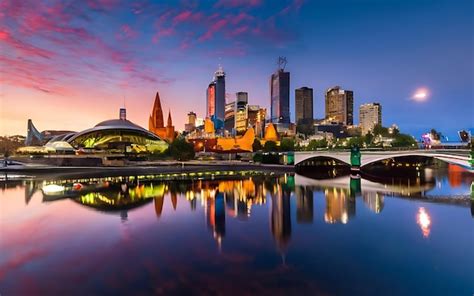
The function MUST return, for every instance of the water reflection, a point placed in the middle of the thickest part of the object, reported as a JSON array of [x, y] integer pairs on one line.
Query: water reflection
[[230, 198], [316, 227], [340, 206], [423, 219]]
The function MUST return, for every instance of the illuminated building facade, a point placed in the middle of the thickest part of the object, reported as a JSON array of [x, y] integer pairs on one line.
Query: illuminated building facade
[[241, 112], [304, 105], [340, 105], [229, 117], [280, 97], [211, 99], [191, 124], [156, 122], [215, 96], [369, 116], [120, 136]]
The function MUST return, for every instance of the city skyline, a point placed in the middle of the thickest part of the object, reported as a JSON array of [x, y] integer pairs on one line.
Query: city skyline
[[65, 69]]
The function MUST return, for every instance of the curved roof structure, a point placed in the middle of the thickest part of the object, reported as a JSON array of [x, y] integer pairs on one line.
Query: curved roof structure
[[118, 136], [115, 124]]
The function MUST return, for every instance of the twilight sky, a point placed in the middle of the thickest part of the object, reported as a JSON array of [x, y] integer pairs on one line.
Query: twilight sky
[[70, 64]]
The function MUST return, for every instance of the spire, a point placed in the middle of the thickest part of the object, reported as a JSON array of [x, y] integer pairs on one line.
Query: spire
[[170, 122], [157, 113]]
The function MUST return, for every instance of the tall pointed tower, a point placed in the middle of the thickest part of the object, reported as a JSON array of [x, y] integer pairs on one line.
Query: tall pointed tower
[[169, 128], [156, 124], [156, 118]]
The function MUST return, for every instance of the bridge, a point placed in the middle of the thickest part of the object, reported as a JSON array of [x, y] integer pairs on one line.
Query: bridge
[[462, 158]]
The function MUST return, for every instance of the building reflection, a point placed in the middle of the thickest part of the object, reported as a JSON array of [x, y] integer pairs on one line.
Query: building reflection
[[373, 200], [280, 219], [159, 201], [340, 206], [304, 204], [228, 197]]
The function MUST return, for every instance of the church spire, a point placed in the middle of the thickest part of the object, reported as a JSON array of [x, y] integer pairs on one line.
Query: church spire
[[170, 122], [156, 117]]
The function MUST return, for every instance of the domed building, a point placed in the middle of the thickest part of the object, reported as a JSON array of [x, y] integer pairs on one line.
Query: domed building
[[119, 136]]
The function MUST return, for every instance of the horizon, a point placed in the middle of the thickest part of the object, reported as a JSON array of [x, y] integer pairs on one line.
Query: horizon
[[70, 66]]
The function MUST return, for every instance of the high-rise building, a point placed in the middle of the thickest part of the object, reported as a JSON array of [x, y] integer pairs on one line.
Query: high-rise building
[[280, 97], [211, 99], [369, 116], [191, 125], [229, 116], [241, 112], [216, 96], [340, 105], [304, 105], [242, 97]]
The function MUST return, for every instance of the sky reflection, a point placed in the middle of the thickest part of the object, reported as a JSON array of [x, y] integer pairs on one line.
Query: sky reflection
[[192, 236]]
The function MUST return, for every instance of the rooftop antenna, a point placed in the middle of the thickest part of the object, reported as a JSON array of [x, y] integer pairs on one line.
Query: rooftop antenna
[[282, 63]]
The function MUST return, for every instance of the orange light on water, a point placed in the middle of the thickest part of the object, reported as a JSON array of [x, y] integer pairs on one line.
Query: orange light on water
[[424, 220]]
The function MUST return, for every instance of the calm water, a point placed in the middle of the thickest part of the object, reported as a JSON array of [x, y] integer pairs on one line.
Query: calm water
[[238, 233]]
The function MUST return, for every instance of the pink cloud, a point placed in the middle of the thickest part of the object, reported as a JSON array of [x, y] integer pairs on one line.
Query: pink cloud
[[295, 5], [162, 33], [126, 32], [237, 3], [213, 29], [238, 31], [242, 16]]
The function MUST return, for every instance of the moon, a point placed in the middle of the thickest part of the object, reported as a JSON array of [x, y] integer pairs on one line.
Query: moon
[[420, 95]]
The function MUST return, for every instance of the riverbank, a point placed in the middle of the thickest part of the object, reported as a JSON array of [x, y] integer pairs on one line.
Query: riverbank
[[148, 168]]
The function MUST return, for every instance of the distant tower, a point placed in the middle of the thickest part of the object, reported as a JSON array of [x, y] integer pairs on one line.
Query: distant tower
[[369, 116], [169, 128], [191, 125], [280, 94], [123, 114], [215, 96], [340, 105], [241, 115], [304, 105]]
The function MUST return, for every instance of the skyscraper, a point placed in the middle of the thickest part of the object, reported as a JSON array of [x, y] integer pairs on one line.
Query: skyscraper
[[369, 116], [280, 96], [216, 96], [229, 116], [340, 105], [304, 105], [191, 125], [211, 99], [241, 112]]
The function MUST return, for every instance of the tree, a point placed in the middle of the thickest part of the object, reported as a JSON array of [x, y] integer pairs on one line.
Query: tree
[[256, 146], [355, 141], [314, 144], [287, 145], [368, 138], [270, 146], [403, 140], [305, 128], [435, 134], [181, 150]]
